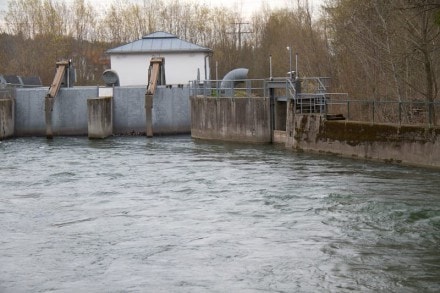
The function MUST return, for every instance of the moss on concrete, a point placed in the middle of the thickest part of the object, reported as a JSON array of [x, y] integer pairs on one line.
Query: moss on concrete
[[397, 144], [355, 133]]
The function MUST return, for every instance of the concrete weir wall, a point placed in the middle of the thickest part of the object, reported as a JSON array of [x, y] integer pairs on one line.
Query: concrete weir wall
[[100, 117], [231, 119], [171, 111], [6, 118], [410, 145], [69, 116]]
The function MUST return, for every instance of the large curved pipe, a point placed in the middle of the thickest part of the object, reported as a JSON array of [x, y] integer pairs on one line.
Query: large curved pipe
[[110, 77], [233, 75]]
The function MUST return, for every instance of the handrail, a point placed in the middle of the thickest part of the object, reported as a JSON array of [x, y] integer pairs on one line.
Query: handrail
[[388, 112], [324, 103], [213, 87]]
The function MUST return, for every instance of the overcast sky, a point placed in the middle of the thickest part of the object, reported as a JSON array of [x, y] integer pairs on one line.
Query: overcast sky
[[247, 7]]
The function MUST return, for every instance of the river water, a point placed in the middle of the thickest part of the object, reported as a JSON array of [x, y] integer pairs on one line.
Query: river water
[[170, 214]]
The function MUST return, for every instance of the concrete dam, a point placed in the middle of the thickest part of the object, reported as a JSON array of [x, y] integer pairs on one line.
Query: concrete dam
[[261, 111], [24, 115], [96, 111], [282, 114]]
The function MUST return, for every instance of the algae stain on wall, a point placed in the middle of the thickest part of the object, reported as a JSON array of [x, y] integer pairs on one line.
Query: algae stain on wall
[[412, 145]]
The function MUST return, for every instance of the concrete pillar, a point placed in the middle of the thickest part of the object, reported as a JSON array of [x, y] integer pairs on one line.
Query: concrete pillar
[[100, 117], [290, 127], [48, 109], [149, 114], [6, 118]]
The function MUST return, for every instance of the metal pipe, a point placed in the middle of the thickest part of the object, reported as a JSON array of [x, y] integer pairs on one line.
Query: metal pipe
[[233, 75], [296, 64], [68, 74], [206, 73], [270, 67]]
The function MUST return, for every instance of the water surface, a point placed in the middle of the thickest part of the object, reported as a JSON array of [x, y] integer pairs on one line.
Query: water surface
[[170, 214]]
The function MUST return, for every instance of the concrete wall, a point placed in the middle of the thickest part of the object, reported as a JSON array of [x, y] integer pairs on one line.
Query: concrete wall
[[6, 118], [171, 111], [69, 116], [129, 110], [279, 136], [231, 119], [411, 145]]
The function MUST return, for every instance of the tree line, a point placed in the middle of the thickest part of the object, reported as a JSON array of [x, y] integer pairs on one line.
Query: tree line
[[372, 49]]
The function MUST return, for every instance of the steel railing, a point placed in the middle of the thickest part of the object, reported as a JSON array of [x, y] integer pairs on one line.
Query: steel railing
[[234, 88], [7, 93], [387, 112], [321, 102]]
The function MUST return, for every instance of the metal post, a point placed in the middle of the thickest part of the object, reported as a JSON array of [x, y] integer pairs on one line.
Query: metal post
[[270, 67], [373, 111], [272, 111], [430, 120], [296, 64], [290, 61], [400, 113], [216, 78], [68, 75]]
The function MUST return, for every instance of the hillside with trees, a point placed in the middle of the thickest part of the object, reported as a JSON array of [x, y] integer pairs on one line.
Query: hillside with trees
[[372, 49]]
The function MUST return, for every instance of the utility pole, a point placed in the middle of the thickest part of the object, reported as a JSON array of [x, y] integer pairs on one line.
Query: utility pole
[[240, 32]]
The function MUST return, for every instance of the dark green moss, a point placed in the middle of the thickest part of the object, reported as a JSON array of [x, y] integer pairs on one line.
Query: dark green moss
[[354, 133]]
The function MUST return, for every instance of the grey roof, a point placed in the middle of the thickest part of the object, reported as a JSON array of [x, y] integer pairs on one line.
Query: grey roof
[[12, 79], [31, 80], [158, 42]]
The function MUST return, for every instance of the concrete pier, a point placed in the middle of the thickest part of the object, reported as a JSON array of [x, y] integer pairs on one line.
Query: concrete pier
[[244, 119], [149, 114], [6, 118], [100, 117]]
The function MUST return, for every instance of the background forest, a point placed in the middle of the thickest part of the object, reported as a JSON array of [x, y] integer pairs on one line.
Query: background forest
[[372, 49]]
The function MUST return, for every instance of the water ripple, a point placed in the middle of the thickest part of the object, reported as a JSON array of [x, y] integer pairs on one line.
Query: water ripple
[[170, 214]]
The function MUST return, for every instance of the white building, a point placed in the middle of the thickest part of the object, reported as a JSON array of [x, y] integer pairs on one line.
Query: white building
[[183, 60]]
